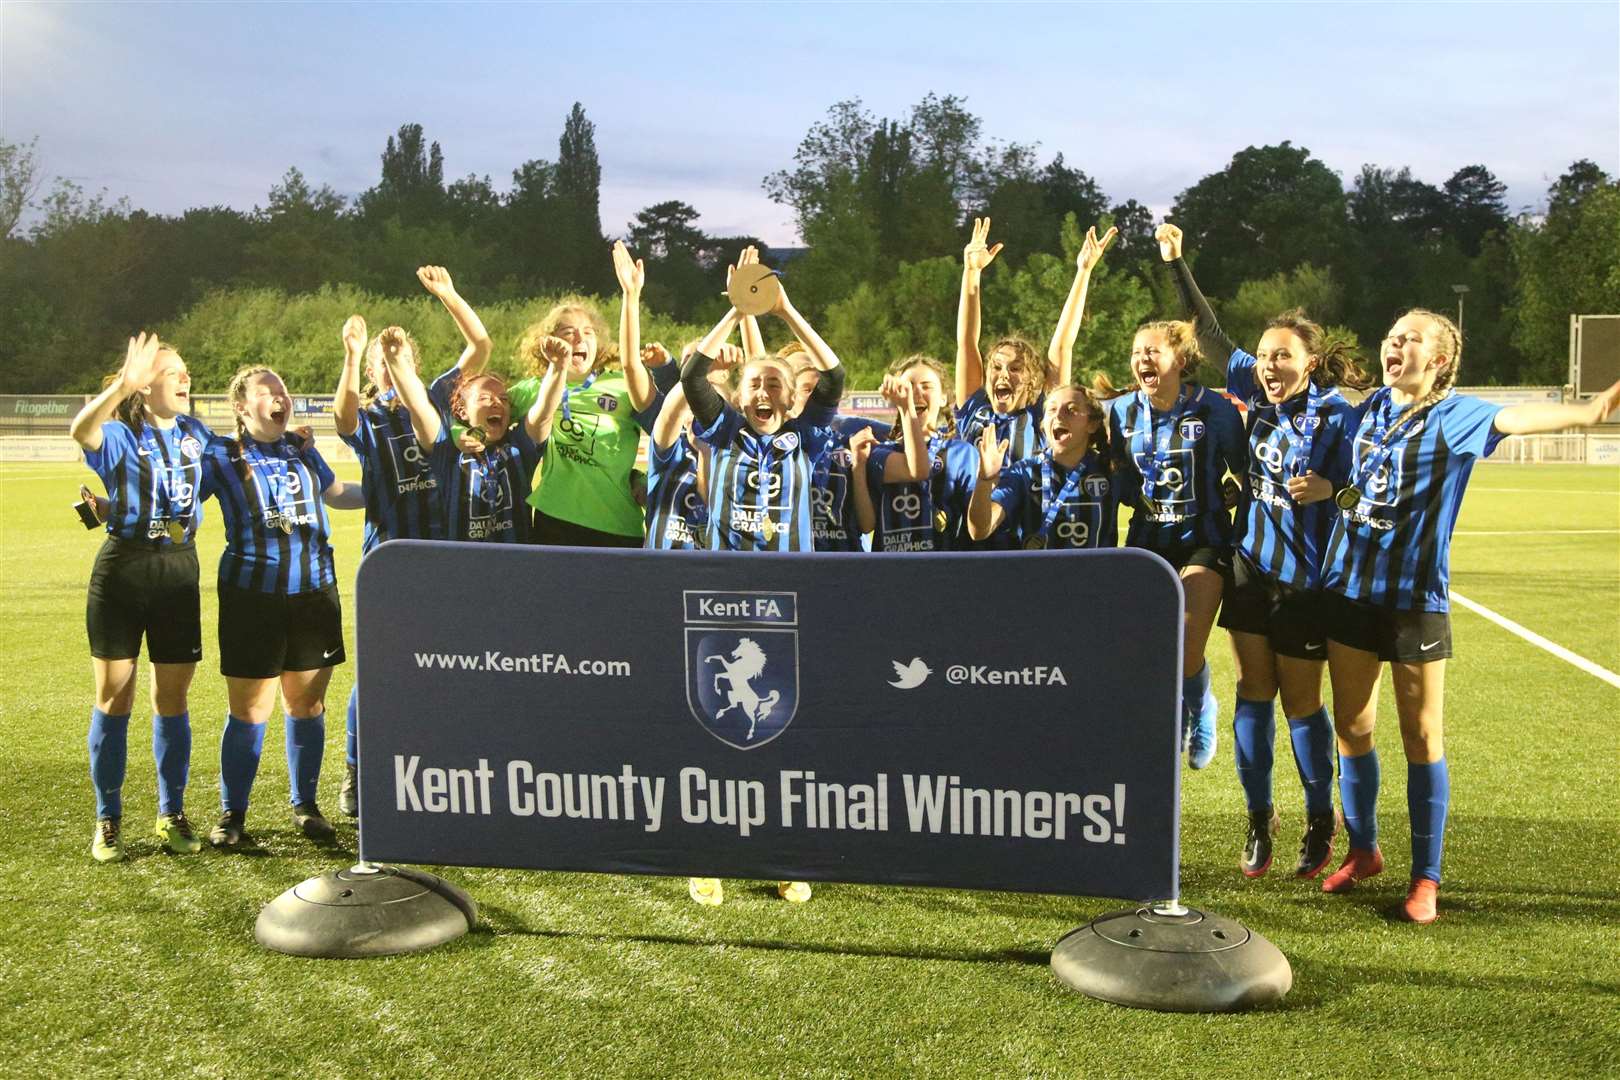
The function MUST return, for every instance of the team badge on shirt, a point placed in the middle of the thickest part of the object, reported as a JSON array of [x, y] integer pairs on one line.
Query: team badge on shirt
[[190, 447], [1192, 430], [742, 664], [607, 402], [787, 442]]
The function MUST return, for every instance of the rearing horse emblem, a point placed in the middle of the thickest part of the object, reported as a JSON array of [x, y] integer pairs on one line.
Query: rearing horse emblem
[[742, 665]]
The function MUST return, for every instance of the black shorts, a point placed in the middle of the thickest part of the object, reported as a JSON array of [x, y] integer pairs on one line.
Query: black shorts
[[1183, 556], [139, 589], [1405, 637], [263, 634], [559, 533], [1291, 620]]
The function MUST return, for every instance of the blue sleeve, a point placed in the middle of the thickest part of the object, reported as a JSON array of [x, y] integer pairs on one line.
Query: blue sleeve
[[317, 465], [1469, 426], [660, 462], [964, 413], [665, 376], [1240, 381], [211, 486], [854, 425], [1234, 442], [362, 438], [723, 430], [440, 390], [962, 469], [116, 443], [1337, 443], [1012, 488], [876, 462], [528, 450]]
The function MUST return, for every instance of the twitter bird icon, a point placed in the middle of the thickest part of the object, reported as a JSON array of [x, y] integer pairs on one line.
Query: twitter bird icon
[[908, 676]]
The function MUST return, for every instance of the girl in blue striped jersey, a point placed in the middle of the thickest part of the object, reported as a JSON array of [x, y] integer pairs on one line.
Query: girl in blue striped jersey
[[1299, 445], [918, 479], [677, 467], [402, 498], [1387, 572], [280, 623], [485, 484], [762, 460], [1062, 497], [138, 438], [1172, 442]]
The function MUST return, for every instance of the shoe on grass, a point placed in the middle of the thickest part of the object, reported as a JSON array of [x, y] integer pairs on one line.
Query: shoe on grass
[[312, 823], [1420, 902], [794, 892], [1358, 865], [177, 834], [1256, 858], [107, 842], [231, 830], [706, 891], [1316, 846], [349, 796]]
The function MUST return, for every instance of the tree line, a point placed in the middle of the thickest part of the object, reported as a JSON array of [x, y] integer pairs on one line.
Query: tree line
[[882, 206]]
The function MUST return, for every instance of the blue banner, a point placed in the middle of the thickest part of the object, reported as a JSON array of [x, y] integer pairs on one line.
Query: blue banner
[[1007, 720]]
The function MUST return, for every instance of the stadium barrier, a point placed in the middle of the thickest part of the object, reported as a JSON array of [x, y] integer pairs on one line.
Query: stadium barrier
[[722, 714]]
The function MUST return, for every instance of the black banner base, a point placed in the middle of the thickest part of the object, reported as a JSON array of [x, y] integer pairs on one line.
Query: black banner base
[[366, 910], [1172, 959]]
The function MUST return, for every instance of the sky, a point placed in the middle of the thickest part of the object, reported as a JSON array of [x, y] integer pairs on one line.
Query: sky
[[178, 105]]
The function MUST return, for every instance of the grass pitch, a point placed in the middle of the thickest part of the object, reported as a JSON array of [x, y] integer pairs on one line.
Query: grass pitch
[[148, 968]]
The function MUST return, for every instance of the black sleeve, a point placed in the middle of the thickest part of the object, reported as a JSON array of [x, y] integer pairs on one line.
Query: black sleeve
[[665, 376], [706, 402], [829, 389], [1211, 338]]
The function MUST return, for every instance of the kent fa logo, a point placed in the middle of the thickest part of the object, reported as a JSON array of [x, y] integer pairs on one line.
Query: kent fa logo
[[742, 664]]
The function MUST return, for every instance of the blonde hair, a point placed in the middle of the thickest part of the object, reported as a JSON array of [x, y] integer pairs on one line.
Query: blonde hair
[[369, 392], [947, 416], [1451, 348], [529, 355]]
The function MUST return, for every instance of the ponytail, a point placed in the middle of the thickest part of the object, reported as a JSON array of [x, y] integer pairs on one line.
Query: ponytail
[[1338, 364]]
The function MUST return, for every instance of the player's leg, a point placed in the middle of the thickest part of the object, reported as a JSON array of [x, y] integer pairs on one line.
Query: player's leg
[[1310, 732], [1355, 674], [1419, 700], [304, 702], [171, 751], [1202, 585], [1253, 736], [108, 745]]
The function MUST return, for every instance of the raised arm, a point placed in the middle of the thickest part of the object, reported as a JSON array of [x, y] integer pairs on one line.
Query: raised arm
[[913, 464], [346, 400], [753, 342], [632, 274], [705, 400], [969, 364], [1061, 351], [553, 384], [1537, 419], [140, 368], [407, 381], [1211, 338], [860, 449], [984, 513], [474, 358], [667, 428]]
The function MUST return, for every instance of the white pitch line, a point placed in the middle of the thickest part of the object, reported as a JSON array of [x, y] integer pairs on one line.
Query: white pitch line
[[1549, 491], [1537, 532], [1538, 641]]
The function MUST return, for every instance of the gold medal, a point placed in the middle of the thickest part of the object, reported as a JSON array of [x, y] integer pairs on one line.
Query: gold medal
[[1035, 543], [1348, 497], [768, 530], [177, 531], [940, 521], [285, 525]]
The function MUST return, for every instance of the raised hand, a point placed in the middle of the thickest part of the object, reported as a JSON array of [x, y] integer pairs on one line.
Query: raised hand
[[556, 352], [141, 361], [748, 256], [1169, 238], [860, 448], [978, 254], [726, 357], [1091, 251], [653, 354], [436, 280], [887, 389], [392, 341], [904, 396], [992, 453], [354, 337], [632, 273]]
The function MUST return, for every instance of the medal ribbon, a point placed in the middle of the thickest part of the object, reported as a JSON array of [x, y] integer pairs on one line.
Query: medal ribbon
[[1051, 503], [167, 508], [1303, 440], [1146, 443], [568, 414]]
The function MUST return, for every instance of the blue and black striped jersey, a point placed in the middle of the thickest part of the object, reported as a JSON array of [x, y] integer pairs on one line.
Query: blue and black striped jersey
[[486, 495], [1186, 450], [760, 486], [276, 529], [677, 516], [402, 494], [908, 514], [1394, 548], [1087, 508], [834, 525], [1020, 429], [1310, 432], [153, 478]]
